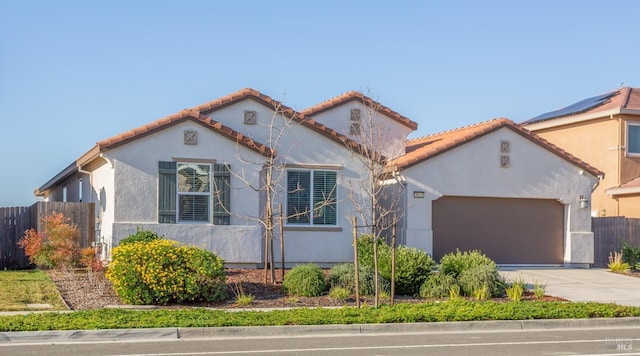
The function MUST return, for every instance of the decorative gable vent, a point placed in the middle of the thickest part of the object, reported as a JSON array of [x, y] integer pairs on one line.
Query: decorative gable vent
[[505, 146], [505, 161], [355, 123], [190, 137], [250, 117]]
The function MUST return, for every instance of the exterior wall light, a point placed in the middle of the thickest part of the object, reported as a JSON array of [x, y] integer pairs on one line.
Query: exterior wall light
[[418, 194], [584, 202]]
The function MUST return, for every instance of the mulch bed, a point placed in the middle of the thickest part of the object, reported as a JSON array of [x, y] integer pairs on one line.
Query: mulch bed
[[82, 291]]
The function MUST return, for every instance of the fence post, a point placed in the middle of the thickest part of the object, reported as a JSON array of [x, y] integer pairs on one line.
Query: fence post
[[355, 260], [393, 263]]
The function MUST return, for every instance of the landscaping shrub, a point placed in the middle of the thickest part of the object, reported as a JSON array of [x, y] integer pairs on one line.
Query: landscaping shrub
[[305, 280], [630, 255], [413, 266], [365, 252], [163, 271], [437, 286], [340, 293], [478, 277], [616, 263], [454, 263], [343, 276], [56, 246], [140, 236]]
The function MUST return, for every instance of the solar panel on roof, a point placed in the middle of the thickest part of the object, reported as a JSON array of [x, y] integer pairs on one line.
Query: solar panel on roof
[[573, 109]]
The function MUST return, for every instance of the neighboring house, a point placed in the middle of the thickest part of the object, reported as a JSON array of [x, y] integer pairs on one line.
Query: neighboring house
[[195, 177], [605, 131], [496, 187]]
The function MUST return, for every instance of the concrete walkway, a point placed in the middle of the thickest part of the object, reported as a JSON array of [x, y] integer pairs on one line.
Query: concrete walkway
[[582, 285]]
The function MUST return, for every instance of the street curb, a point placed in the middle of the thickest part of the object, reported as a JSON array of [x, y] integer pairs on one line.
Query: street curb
[[88, 335], [434, 327], [121, 335]]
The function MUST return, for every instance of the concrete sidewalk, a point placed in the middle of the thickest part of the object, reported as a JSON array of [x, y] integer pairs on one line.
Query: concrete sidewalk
[[582, 285]]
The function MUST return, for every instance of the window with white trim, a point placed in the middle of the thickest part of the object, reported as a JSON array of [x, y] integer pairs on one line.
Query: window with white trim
[[633, 139], [193, 192], [311, 197]]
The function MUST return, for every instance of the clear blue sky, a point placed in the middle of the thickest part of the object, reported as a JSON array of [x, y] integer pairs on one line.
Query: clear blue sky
[[76, 72]]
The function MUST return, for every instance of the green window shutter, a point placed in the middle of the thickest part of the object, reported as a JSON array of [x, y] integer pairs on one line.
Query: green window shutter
[[324, 198], [298, 197], [167, 192], [221, 194]]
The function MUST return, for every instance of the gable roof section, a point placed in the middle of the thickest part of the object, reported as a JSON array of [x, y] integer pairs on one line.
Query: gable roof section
[[182, 116], [427, 147], [299, 117], [620, 101], [354, 95], [198, 115], [123, 138]]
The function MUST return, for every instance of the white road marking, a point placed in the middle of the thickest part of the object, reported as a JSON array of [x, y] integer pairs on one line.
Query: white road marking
[[390, 347]]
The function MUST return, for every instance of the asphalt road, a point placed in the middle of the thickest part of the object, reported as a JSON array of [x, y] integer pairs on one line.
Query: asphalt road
[[578, 341]]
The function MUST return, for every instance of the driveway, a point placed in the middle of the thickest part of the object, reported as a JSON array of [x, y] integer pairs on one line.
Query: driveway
[[582, 285]]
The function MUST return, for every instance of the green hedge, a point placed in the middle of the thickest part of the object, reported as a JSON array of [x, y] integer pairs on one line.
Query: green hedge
[[459, 310]]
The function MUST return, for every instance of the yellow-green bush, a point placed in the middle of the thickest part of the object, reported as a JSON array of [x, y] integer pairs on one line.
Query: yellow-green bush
[[163, 271]]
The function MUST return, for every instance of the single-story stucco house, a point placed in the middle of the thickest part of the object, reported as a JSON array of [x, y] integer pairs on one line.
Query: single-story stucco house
[[199, 177]]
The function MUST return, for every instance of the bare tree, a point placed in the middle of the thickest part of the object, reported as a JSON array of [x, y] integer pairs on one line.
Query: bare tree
[[376, 204], [270, 184]]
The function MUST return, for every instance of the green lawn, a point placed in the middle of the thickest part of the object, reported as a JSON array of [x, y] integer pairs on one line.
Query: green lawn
[[18, 289]]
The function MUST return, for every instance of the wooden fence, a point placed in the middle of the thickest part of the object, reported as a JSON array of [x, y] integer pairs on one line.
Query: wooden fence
[[13, 222], [609, 232], [16, 220]]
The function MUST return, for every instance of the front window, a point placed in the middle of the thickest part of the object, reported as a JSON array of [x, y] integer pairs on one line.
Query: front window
[[311, 197], [193, 192], [633, 139]]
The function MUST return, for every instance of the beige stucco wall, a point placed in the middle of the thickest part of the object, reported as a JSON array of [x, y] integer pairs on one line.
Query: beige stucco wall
[[629, 163], [629, 205], [597, 143], [603, 144]]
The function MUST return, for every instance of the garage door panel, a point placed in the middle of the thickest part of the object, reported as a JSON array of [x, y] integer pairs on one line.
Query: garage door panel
[[510, 231]]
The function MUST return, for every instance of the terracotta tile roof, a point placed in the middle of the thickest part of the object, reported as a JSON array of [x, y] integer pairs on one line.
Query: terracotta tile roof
[[184, 115], [630, 187], [424, 148], [634, 183], [200, 112], [298, 117], [354, 95], [624, 98], [199, 115]]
